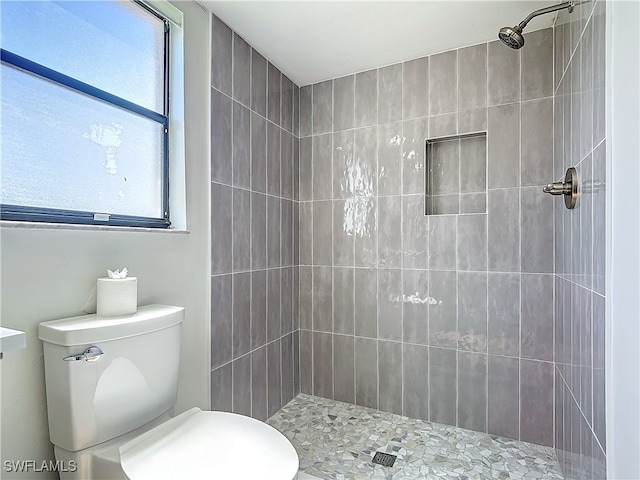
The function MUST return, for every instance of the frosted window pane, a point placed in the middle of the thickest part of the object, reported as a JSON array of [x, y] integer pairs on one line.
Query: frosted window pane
[[65, 150], [116, 46]]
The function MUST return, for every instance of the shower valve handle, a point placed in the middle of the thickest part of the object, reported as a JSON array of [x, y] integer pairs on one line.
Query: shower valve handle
[[568, 188], [557, 188]]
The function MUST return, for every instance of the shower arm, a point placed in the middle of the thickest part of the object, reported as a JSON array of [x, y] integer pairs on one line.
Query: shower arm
[[550, 9]]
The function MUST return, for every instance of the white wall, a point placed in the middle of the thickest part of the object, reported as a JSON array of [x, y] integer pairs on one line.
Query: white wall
[[48, 274], [623, 265]]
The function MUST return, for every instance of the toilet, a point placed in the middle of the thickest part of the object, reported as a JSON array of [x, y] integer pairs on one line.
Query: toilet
[[112, 384]]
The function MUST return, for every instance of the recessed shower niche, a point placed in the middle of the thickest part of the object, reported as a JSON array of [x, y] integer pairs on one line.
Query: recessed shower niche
[[456, 174]]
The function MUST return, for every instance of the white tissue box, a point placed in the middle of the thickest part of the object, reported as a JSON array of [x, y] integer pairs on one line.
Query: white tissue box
[[117, 296]]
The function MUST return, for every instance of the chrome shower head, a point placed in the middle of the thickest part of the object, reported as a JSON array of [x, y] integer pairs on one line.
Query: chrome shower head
[[512, 37]]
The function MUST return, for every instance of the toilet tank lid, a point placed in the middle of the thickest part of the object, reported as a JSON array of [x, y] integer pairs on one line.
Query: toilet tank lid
[[92, 328]]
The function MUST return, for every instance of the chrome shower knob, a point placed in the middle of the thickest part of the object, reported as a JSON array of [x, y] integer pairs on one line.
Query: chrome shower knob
[[568, 188]]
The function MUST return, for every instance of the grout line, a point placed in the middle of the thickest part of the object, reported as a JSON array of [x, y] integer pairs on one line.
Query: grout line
[[250, 352], [264, 117], [486, 185], [577, 405], [574, 49], [353, 245], [312, 269], [233, 292], [364, 197], [251, 319], [266, 246], [279, 228], [333, 370], [456, 239], [279, 360], [377, 263], [553, 227], [520, 246], [369, 267], [435, 346], [402, 238]]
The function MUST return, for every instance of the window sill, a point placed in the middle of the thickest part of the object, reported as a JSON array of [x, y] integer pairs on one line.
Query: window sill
[[68, 226]]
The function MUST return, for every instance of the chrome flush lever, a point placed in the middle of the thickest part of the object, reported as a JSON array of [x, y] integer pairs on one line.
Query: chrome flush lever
[[568, 188], [90, 355]]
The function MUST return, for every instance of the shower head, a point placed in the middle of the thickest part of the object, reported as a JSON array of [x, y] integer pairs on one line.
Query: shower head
[[512, 36]]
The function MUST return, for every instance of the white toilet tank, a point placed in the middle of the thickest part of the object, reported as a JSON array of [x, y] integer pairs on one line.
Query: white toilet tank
[[134, 380]]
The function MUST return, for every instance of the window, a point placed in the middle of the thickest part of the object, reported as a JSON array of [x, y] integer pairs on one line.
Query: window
[[84, 128]]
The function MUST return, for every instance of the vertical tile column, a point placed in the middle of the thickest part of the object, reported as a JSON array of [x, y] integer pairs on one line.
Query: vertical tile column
[[254, 230], [579, 113]]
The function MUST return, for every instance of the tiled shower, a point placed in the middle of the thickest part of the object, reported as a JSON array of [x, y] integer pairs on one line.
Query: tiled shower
[[447, 318], [329, 279]]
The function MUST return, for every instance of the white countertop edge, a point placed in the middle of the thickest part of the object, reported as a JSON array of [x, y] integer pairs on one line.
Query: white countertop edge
[[11, 339]]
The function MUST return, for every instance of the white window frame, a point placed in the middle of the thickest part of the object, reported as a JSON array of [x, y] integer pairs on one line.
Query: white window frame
[[173, 197]]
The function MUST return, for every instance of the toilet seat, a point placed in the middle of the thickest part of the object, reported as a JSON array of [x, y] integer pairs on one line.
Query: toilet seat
[[199, 444]]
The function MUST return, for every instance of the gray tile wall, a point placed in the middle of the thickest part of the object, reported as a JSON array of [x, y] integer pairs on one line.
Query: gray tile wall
[[254, 230], [579, 129], [449, 318], [446, 318]]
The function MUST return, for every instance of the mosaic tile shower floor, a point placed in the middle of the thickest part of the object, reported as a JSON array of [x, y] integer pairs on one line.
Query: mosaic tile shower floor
[[336, 440]]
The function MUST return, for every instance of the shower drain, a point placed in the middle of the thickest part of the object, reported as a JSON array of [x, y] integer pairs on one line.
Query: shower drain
[[385, 459]]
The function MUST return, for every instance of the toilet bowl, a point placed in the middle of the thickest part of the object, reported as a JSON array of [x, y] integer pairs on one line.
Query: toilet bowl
[[111, 385]]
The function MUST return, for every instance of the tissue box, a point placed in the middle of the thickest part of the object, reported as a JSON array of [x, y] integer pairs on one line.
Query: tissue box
[[117, 296]]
